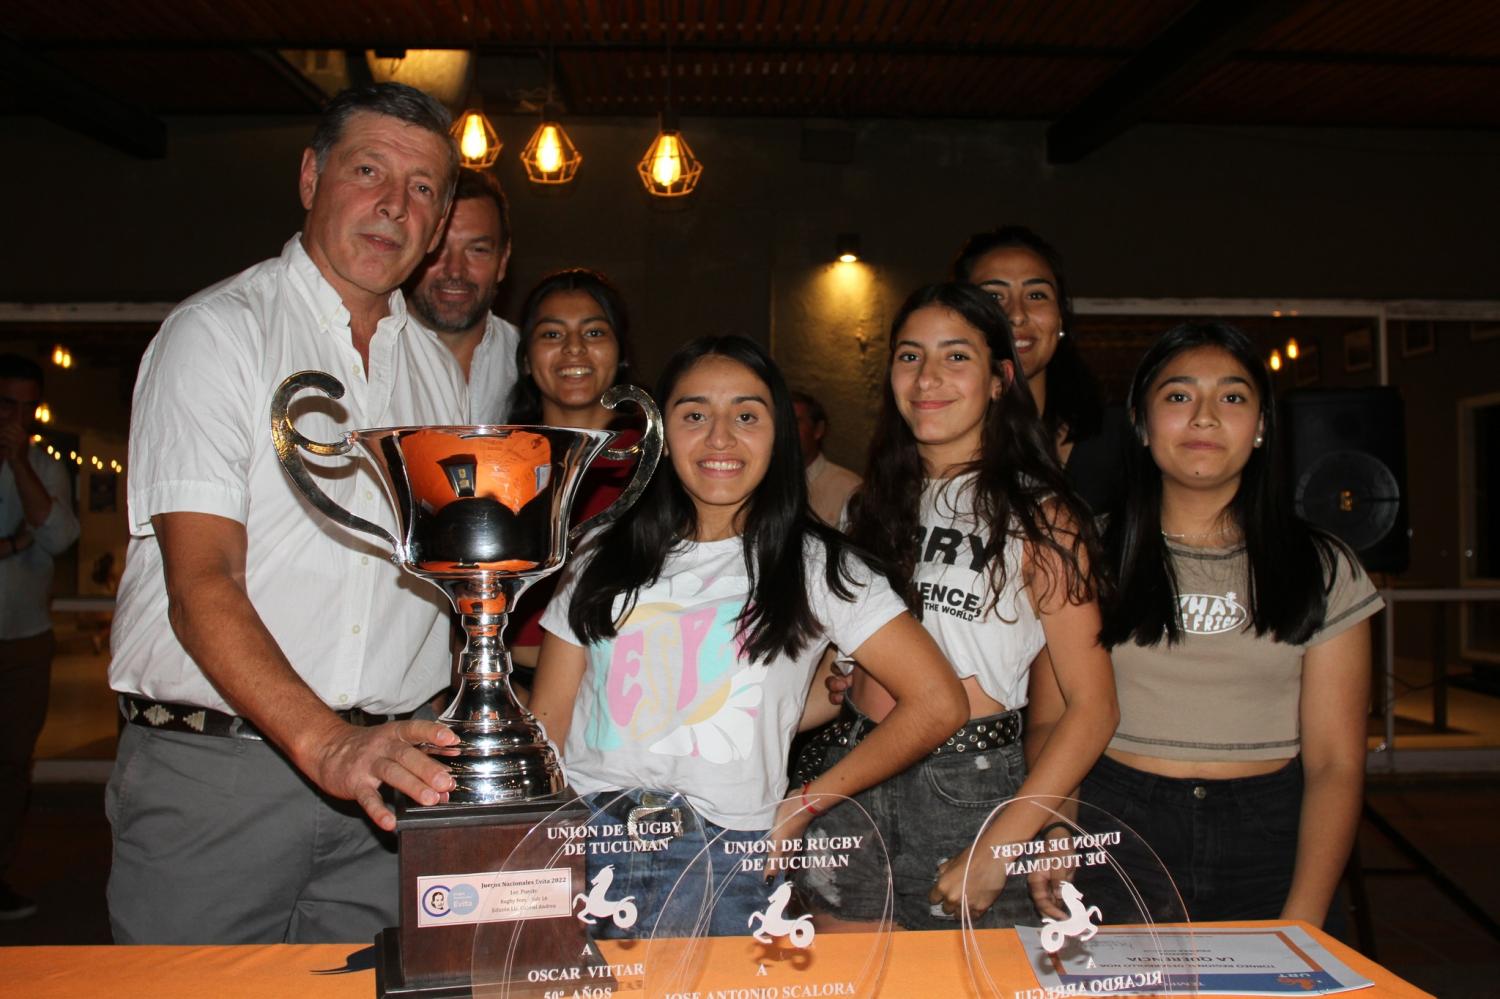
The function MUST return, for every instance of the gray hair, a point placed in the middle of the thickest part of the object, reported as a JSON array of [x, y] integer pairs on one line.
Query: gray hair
[[394, 100]]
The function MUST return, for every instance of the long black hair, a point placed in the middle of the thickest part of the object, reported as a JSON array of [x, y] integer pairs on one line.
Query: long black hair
[[1289, 559], [1019, 488], [526, 397], [1075, 403], [777, 618]]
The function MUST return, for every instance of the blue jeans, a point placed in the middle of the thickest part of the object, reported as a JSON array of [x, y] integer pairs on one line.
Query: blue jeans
[[925, 815], [1229, 845], [683, 878]]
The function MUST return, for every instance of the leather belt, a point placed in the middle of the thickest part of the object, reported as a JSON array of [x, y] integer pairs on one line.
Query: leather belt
[[169, 717]]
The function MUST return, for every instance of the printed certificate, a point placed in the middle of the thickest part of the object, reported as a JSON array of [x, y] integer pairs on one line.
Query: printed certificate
[[1128, 960]]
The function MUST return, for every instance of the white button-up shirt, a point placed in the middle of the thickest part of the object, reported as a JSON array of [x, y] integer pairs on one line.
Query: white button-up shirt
[[26, 576], [492, 370], [357, 629]]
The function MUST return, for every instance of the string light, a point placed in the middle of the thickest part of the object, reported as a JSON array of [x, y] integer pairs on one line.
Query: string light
[[1275, 360], [1292, 349], [43, 413], [62, 357]]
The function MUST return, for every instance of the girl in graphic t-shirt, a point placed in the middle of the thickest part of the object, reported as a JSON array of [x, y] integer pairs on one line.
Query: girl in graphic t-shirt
[[680, 648], [1241, 647], [964, 496]]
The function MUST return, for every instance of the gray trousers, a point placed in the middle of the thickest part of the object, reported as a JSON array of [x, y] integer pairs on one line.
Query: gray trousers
[[222, 841]]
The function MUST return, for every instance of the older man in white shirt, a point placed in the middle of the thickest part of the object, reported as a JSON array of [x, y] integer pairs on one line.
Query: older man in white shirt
[[269, 661], [452, 292]]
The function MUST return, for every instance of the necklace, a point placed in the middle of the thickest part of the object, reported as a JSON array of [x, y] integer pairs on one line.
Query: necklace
[[1221, 532]]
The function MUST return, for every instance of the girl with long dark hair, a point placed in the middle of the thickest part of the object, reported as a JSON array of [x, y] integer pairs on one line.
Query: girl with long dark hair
[[575, 343], [1241, 644], [1024, 274], [965, 499], [680, 648]]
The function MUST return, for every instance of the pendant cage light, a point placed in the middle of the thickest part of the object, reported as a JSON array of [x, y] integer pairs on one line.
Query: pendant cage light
[[669, 169], [550, 156], [478, 143]]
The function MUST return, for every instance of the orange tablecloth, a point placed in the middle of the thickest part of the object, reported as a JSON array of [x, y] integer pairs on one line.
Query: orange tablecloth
[[920, 965]]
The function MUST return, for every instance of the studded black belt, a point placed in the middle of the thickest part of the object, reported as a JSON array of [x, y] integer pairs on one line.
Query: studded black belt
[[977, 735]]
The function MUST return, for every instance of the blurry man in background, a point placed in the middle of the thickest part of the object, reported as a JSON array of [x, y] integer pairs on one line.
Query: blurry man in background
[[829, 486], [451, 294], [36, 525]]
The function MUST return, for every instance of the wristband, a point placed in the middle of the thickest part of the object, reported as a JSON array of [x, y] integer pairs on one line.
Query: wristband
[[811, 808]]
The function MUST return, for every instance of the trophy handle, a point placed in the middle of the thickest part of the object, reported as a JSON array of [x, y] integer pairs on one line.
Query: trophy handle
[[648, 448], [288, 440]]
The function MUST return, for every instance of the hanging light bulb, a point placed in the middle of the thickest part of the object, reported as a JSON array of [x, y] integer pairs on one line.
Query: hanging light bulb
[[478, 143], [549, 151], [666, 165], [1275, 360], [550, 156], [43, 413], [1292, 349], [62, 357], [669, 169]]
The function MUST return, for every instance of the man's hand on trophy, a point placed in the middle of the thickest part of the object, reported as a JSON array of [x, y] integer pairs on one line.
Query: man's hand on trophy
[[355, 762]]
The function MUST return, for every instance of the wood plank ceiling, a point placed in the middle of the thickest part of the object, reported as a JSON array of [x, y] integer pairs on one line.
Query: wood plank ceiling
[[1385, 63]]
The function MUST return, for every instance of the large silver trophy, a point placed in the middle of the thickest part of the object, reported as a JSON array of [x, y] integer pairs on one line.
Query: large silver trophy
[[482, 513]]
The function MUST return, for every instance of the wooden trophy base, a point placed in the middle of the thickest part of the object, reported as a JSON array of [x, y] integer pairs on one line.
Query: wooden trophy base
[[447, 848]]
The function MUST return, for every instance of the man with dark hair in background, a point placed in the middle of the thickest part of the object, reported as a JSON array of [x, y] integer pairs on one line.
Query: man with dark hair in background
[[37, 524], [829, 486], [268, 661], [452, 292]]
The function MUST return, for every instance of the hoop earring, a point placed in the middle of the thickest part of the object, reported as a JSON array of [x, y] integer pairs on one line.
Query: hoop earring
[[1259, 440]]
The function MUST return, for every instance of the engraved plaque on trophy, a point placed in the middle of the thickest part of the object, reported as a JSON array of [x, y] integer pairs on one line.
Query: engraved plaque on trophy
[[482, 512]]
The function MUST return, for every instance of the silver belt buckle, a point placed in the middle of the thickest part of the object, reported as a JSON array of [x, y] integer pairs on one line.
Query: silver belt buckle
[[645, 812]]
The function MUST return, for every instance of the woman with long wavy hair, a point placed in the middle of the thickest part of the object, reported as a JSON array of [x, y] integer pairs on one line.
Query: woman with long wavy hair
[[965, 500]]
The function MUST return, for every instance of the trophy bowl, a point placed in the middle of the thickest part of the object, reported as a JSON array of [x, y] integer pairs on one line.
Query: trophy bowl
[[482, 512]]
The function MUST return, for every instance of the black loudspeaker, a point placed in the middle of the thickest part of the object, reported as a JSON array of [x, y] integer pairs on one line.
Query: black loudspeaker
[[1346, 449]]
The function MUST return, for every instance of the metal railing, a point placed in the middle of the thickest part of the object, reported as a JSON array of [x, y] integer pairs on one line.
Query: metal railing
[[1401, 595]]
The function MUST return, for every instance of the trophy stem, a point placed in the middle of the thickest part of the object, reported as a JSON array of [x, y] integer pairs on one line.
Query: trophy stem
[[502, 753]]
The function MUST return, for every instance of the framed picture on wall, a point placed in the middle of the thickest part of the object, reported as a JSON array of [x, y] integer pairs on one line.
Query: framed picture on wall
[[1308, 368], [103, 492], [1417, 337], [1359, 350]]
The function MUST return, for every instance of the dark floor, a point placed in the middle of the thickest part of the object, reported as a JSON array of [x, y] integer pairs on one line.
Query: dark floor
[[1419, 932]]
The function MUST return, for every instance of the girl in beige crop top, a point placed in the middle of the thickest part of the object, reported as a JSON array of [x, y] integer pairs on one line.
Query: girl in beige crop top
[[1240, 635]]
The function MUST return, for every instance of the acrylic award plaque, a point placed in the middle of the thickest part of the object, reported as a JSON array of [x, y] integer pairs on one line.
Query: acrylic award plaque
[[772, 925], [1106, 918], [606, 870]]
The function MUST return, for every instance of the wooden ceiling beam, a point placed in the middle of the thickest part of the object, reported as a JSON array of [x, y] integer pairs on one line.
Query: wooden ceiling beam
[[81, 106], [1187, 49]]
